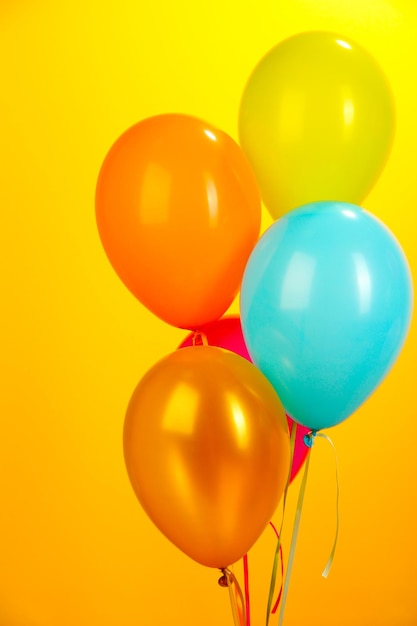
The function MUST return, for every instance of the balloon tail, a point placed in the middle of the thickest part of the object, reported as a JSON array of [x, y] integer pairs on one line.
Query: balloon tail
[[329, 563], [294, 538], [278, 549], [237, 601]]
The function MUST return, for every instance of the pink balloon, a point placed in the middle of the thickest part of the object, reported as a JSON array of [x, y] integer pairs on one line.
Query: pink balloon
[[227, 333]]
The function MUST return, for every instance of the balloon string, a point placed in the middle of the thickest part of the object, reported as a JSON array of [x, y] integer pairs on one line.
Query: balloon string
[[238, 608], [278, 600], [294, 540], [278, 547], [329, 563], [246, 582]]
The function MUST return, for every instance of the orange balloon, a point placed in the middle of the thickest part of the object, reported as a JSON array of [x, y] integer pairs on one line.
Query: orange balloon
[[207, 451], [178, 211]]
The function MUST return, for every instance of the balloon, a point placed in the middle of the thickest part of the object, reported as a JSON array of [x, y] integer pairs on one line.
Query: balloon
[[227, 333], [207, 451], [178, 212], [326, 304], [316, 121]]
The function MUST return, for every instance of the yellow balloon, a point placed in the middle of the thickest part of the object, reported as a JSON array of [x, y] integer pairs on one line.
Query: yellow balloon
[[317, 121], [207, 451]]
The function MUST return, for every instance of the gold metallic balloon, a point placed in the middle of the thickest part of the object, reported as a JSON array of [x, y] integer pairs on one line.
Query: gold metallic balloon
[[207, 451]]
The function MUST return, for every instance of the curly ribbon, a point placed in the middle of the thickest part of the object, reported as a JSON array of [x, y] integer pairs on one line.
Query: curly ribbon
[[278, 600], [237, 601], [329, 563], [246, 580], [239, 595], [246, 586], [278, 548], [294, 540], [309, 441]]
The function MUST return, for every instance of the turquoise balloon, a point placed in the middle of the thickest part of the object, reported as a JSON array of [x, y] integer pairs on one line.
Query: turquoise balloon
[[326, 303]]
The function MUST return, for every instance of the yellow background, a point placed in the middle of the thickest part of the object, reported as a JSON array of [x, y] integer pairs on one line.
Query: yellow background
[[75, 547]]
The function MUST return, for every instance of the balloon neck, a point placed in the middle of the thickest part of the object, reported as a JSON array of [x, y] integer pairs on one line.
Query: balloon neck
[[223, 581], [309, 438], [199, 338]]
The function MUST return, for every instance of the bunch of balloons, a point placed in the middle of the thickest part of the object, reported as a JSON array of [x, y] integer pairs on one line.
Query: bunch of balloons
[[325, 292]]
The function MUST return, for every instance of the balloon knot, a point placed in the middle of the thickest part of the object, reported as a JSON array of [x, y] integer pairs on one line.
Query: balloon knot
[[223, 582], [309, 438], [199, 338]]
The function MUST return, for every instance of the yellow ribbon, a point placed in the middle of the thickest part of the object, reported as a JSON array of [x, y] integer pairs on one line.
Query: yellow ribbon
[[329, 563], [309, 441], [235, 594], [277, 550], [294, 540]]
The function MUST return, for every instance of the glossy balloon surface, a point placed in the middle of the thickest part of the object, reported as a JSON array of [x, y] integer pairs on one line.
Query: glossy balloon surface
[[227, 333], [317, 121], [326, 305], [207, 451], [178, 211]]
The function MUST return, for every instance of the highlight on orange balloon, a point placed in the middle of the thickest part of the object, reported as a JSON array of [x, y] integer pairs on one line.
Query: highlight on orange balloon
[[178, 212], [207, 451]]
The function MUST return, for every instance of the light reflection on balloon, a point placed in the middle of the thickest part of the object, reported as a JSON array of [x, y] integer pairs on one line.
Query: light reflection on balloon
[[207, 451], [227, 333], [317, 121]]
